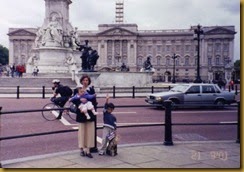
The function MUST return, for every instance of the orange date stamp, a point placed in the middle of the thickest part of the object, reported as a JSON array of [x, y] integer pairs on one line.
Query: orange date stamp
[[214, 155]]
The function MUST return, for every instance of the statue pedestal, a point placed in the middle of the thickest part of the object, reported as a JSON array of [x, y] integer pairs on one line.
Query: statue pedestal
[[118, 79], [52, 60]]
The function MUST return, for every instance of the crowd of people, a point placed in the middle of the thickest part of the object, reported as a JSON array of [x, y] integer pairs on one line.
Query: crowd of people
[[16, 70], [13, 70]]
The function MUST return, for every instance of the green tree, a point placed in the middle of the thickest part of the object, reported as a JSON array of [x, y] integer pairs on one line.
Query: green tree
[[237, 64], [4, 55], [236, 72]]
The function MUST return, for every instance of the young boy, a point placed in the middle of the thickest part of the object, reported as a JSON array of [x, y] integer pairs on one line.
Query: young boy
[[109, 125]]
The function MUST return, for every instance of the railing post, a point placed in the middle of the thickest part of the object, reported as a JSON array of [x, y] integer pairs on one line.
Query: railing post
[[169, 87], [94, 149], [43, 92], [236, 89], [238, 122], [114, 92], [133, 92], [17, 92], [152, 89], [168, 123], [0, 115]]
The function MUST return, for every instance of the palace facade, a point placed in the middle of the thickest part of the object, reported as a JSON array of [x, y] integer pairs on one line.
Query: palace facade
[[124, 43]]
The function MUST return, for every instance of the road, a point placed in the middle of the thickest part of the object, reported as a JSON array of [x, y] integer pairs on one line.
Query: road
[[28, 123]]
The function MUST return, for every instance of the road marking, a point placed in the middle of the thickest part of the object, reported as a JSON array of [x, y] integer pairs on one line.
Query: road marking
[[227, 122], [204, 111], [63, 120], [100, 113], [124, 112]]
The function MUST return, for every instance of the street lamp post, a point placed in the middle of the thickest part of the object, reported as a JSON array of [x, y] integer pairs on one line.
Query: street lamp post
[[174, 57], [198, 31]]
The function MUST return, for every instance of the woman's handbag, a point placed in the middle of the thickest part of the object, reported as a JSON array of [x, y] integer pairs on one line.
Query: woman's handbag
[[73, 108]]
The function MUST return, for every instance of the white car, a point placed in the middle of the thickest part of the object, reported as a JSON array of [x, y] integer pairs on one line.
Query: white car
[[193, 93]]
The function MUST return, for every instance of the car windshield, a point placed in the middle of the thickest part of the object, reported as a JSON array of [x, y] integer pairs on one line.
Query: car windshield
[[179, 88]]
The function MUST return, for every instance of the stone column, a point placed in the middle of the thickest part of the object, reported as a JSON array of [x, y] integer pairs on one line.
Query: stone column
[[11, 50], [113, 49], [132, 54]]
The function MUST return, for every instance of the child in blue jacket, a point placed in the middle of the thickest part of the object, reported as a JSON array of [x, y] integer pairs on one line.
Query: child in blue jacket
[[109, 124]]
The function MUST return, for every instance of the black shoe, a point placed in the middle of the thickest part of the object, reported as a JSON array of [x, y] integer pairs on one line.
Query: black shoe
[[89, 155], [82, 153]]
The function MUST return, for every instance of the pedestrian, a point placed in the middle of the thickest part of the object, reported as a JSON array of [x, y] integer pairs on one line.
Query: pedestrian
[[87, 127], [232, 84], [109, 126], [63, 91], [35, 71], [12, 68]]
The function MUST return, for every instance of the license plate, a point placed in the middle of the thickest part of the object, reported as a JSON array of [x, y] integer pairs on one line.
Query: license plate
[[150, 101]]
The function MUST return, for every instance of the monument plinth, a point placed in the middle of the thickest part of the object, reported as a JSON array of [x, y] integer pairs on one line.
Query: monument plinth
[[118, 79], [53, 60]]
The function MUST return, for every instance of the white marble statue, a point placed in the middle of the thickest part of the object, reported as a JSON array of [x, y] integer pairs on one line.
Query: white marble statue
[[38, 39], [53, 33]]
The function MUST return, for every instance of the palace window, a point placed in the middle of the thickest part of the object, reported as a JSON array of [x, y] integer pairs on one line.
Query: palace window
[[177, 62], [168, 48], [210, 48], [217, 60], [209, 61], [186, 61], [187, 48], [149, 48], [167, 61], [139, 61], [177, 47], [217, 47], [158, 61], [159, 48], [226, 47], [109, 61]]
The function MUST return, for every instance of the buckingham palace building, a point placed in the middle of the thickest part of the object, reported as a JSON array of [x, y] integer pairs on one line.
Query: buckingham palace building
[[123, 43]]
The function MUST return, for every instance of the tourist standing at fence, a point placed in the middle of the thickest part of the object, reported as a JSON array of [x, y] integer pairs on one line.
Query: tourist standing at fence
[[87, 127], [109, 126]]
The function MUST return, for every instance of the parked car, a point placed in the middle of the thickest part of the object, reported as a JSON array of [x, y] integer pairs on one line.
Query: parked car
[[194, 94]]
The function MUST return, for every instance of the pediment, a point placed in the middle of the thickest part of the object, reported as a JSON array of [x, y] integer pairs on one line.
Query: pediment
[[21, 32], [117, 32], [220, 30]]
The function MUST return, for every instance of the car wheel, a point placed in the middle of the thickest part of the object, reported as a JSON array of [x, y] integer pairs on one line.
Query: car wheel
[[220, 104], [174, 102]]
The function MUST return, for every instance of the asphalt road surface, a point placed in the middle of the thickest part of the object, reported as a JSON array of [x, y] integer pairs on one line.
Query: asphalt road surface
[[29, 123]]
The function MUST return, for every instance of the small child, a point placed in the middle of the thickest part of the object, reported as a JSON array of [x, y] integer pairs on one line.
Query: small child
[[85, 105], [109, 126]]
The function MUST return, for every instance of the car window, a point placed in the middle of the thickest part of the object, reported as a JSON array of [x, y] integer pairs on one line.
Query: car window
[[217, 89], [208, 89], [179, 88], [193, 89]]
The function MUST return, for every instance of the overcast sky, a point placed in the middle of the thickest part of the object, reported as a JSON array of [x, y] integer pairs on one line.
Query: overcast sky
[[147, 14]]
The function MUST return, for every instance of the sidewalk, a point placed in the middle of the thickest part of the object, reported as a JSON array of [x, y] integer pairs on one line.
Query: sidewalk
[[204, 154]]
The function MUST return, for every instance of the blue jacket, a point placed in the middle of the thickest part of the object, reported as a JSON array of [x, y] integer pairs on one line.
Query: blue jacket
[[109, 120], [85, 95]]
